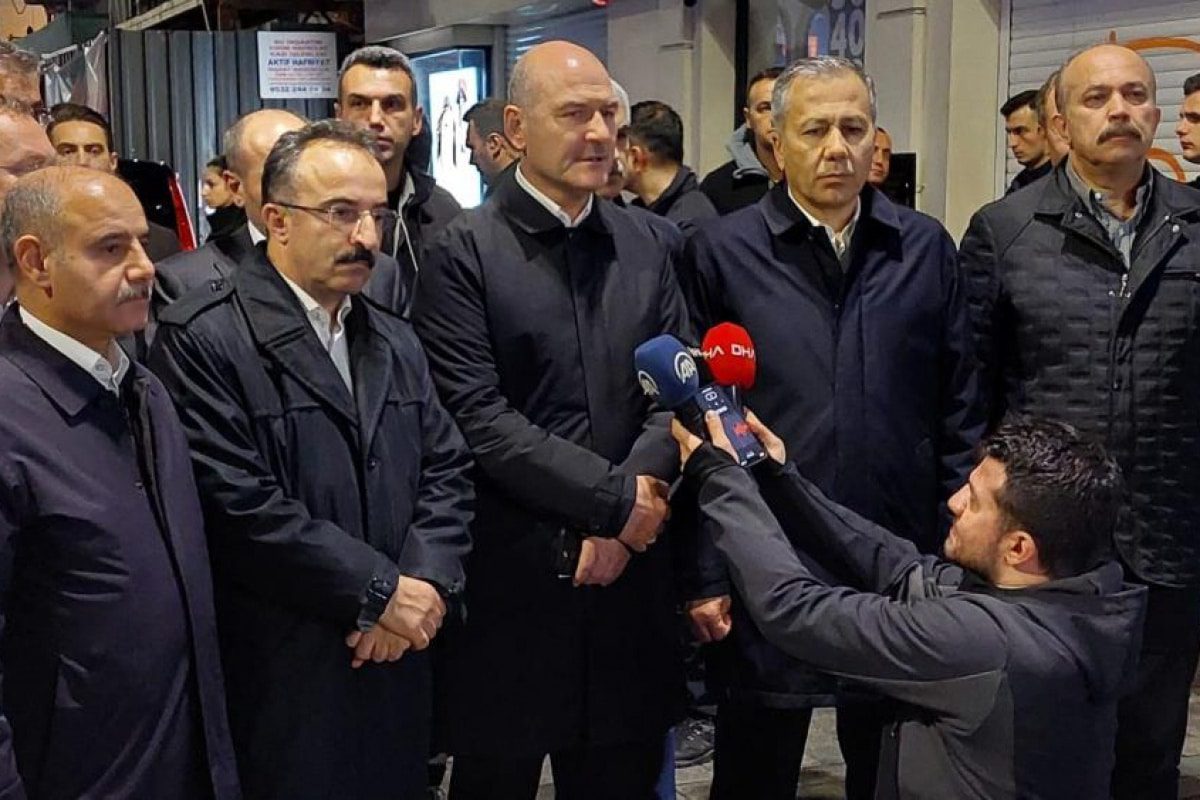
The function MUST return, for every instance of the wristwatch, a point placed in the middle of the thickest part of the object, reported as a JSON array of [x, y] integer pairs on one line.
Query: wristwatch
[[374, 600]]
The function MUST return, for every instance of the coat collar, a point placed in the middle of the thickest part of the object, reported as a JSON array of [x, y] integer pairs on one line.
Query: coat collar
[[782, 215], [683, 182], [529, 215], [1058, 197], [68, 386]]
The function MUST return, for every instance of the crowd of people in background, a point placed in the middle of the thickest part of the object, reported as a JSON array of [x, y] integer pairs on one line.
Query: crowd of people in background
[[368, 480]]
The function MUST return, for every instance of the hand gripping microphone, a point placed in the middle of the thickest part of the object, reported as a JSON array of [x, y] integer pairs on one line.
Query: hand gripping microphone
[[729, 354], [668, 374]]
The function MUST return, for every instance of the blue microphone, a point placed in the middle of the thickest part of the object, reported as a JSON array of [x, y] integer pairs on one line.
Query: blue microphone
[[666, 371], [668, 374]]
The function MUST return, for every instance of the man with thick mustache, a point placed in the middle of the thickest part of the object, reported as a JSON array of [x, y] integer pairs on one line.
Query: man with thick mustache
[[334, 485], [112, 677], [860, 326], [1086, 290]]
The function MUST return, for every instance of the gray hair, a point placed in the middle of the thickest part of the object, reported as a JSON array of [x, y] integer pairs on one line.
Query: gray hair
[[280, 168], [623, 102], [14, 60], [820, 68], [377, 56], [34, 206], [233, 144]]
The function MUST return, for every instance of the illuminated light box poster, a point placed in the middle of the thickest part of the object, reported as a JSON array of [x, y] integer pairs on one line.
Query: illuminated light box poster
[[451, 93], [297, 65]]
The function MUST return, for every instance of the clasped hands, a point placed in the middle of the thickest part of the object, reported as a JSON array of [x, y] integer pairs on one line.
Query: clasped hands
[[603, 559], [410, 621]]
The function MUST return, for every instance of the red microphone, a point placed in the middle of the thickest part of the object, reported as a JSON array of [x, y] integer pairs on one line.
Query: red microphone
[[729, 354]]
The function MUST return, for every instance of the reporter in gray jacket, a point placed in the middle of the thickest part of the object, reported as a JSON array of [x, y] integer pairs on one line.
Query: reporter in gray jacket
[[1005, 661]]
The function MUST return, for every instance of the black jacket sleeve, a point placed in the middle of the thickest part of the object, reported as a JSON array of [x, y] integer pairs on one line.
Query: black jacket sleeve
[[543, 471], [258, 537], [988, 312], [962, 414], [11, 787], [936, 653], [438, 537]]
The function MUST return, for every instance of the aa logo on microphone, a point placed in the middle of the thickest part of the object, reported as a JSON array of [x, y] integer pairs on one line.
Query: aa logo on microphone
[[648, 384], [685, 366]]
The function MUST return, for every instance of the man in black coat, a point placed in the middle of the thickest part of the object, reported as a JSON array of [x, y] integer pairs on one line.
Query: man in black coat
[[112, 677], [744, 179], [1005, 662], [377, 91], [246, 145], [655, 170], [334, 486], [530, 308], [1087, 298], [861, 334]]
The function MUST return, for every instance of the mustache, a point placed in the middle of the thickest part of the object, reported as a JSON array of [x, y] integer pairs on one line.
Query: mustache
[[359, 253], [133, 291], [840, 170], [1119, 129]]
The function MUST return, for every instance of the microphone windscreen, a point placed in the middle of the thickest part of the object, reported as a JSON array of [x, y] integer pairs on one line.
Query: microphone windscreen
[[729, 353], [666, 371]]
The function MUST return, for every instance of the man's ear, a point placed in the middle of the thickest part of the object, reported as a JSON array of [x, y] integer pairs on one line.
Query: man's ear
[[514, 126], [29, 263], [234, 184], [418, 120], [113, 159], [1020, 551], [275, 220]]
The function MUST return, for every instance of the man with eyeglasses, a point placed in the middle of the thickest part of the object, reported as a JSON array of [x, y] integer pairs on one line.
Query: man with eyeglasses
[[23, 149], [334, 485], [246, 144]]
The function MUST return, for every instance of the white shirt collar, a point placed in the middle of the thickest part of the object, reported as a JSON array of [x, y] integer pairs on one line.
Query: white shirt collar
[[839, 239], [80, 354], [332, 338], [257, 237], [551, 206]]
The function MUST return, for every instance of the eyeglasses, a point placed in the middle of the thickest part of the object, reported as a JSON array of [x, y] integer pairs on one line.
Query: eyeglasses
[[346, 217]]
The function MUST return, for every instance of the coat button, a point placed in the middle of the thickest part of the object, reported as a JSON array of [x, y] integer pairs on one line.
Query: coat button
[[372, 462], [139, 484]]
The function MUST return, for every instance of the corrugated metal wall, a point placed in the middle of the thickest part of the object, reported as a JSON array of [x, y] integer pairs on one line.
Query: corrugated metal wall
[[173, 94]]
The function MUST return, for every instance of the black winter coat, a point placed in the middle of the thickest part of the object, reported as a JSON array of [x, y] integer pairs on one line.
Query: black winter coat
[[421, 219], [1000, 693], [866, 375], [530, 330], [309, 494], [1065, 332], [112, 677]]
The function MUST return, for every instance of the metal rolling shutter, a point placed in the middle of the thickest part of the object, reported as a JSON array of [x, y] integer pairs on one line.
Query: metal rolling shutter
[[1044, 33]]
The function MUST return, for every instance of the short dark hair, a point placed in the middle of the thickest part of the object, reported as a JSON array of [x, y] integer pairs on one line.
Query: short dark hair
[[280, 167], [768, 74], [376, 56], [1018, 101], [1192, 84], [218, 163], [656, 127], [488, 116], [74, 112], [1044, 93], [1062, 488]]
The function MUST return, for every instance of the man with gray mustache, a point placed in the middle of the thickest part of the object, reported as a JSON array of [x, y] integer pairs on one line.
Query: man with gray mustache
[[861, 331], [1086, 292], [109, 655]]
